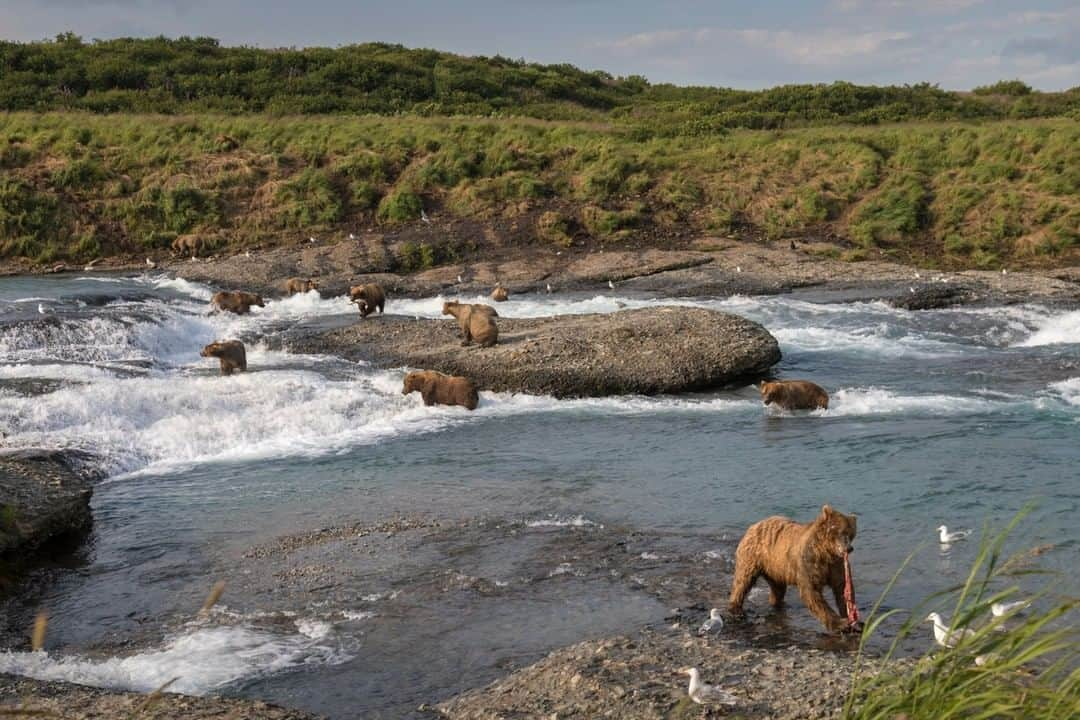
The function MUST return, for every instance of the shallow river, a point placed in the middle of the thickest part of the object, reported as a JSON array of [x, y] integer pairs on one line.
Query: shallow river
[[526, 525]]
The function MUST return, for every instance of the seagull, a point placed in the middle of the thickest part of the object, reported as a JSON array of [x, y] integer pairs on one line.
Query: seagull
[[947, 537], [42, 309], [714, 624], [351, 236], [549, 288], [1004, 271], [704, 694], [150, 263], [1000, 609], [986, 659], [312, 240], [459, 280], [610, 284], [912, 290], [738, 269], [247, 253], [423, 216], [945, 637], [917, 275]]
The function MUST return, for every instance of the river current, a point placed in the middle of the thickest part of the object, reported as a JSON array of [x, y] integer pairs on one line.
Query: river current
[[526, 525]]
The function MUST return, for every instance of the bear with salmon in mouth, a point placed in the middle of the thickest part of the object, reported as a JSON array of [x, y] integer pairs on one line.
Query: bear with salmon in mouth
[[810, 556]]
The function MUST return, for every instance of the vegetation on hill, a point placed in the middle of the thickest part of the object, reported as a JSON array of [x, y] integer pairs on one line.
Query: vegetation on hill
[[196, 75], [76, 186]]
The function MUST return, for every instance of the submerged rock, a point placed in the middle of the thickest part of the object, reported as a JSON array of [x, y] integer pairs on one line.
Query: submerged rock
[[42, 498], [647, 351], [24, 696]]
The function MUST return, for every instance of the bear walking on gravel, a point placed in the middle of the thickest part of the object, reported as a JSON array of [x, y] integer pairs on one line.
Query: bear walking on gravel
[[367, 298], [810, 556], [236, 302], [794, 395], [439, 389], [297, 286], [230, 353], [477, 322]]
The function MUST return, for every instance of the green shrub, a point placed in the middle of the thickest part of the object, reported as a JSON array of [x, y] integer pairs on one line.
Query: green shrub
[[308, 199], [601, 222], [554, 228], [897, 211], [78, 174], [27, 218], [185, 208], [399, 206]]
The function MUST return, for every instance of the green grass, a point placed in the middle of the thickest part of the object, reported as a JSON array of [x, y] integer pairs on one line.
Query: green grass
[[1029, 663], [959, 195]]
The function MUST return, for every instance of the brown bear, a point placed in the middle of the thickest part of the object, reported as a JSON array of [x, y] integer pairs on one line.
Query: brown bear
[[439, 389], [295, 286], [236, 302], [367, 298], [230, 353], [477, 322], [794, 395], [500, 294], [187, 245], [810, 556]]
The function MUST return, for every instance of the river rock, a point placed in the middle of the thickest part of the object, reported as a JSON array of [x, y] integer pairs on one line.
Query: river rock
[[646, 351], [41, 498], [33, 698]]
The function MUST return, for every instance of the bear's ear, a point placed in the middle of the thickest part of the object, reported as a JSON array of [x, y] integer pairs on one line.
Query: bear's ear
[[826, 510]]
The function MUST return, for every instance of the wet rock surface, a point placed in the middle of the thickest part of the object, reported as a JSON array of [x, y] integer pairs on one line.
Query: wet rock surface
[[648, 351], [42, 498], [25, 697]]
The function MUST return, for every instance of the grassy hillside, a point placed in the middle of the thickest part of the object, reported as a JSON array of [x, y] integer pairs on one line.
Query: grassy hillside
[[75, 186], [196, 75]]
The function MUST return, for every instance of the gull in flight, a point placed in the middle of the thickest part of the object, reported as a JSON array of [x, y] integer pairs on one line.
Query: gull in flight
[[945, 637], [705, 694], [947, 537], [1000, 609], [714, 624]]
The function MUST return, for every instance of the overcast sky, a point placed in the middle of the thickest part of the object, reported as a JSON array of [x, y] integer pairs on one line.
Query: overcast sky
[[955, 43]]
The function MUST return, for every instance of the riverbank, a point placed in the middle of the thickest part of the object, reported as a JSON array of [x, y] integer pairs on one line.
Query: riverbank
[[714, 266]]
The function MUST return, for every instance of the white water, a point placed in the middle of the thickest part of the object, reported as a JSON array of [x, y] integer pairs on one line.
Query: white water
[[200, 658], [172, 411]]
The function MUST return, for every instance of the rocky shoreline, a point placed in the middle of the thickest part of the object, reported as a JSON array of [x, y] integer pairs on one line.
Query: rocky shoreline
[[646, 352]]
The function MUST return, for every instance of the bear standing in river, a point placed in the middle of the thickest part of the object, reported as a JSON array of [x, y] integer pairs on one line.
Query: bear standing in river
[[236, 302], [296, 286], [367, 298], [811, 557], [794, 395], [439, 389], [500, 294], [230, 353], [477, 322]]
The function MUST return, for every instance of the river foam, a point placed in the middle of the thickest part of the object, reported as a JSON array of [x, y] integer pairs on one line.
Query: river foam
[[200, 659]]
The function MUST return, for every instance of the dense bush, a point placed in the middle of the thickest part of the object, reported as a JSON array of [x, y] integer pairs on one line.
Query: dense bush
[[194, 75]]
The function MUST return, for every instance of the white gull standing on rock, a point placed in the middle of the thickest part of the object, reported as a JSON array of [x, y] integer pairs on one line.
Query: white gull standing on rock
[[704, 694], [945, 637], [714, 624], [947, 537]]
